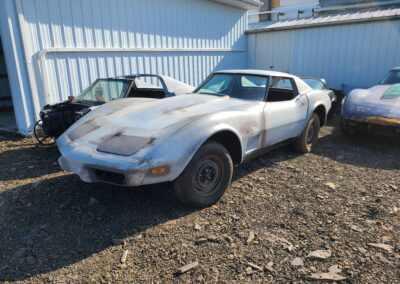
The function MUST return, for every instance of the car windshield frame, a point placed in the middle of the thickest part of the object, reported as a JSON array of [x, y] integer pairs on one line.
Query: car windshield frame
[[240, 75], [383, 81], [81, 96], [141, 82]]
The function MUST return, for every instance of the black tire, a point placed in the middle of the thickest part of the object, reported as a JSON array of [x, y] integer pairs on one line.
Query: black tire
[[346, 129], [206, 177], [305, 143]]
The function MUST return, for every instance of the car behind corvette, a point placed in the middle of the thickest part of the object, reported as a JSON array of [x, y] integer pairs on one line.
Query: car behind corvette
[[56, 118], [194, 140], [376, 109]]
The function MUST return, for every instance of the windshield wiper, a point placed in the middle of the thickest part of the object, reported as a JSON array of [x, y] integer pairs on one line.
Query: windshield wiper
[[213, 94]]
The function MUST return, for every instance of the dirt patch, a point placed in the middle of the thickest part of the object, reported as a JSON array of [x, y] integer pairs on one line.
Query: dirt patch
[[327, 216]]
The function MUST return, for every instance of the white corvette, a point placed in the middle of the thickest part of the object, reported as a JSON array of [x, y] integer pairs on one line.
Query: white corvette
[[195, 139]]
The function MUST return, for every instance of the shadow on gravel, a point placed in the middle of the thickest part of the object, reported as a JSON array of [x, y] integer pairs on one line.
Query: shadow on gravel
[[266, 160], [62, 221], [364, 150], [7, 136], [28, 162]]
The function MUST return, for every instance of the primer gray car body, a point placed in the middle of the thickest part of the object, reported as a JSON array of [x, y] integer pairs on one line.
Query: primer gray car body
[[129, 137]]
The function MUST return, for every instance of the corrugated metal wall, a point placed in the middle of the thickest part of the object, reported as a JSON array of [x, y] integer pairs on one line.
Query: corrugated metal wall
[[352, 54], [5, 93], [191, 39]]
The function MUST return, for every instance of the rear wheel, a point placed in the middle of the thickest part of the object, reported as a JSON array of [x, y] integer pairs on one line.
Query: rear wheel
[[305, 143], [206, 178]]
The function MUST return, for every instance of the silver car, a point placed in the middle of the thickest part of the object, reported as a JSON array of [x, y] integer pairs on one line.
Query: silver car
[[195, 139]]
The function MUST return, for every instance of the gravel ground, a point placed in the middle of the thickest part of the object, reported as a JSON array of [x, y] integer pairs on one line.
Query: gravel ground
[[286, 218]]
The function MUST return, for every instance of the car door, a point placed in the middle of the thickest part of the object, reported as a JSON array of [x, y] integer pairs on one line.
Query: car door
[[285, 110]]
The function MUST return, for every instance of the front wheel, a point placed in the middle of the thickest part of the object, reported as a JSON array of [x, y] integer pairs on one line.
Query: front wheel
[[305, 143], [206, 178], [345, 128]]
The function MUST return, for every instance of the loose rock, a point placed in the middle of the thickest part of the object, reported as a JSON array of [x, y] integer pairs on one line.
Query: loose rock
[[197, 227], [331, 185], [297, 262], [201, 241], [335, 269], [387, 248], [269, 266], [187, 267], [320, 254], [326, 276], [256, 267], [124, 256], [228, 239], [250, 237]]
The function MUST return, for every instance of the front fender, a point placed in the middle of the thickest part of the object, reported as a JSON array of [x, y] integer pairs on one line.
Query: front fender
[[350, 101], [178, 149]]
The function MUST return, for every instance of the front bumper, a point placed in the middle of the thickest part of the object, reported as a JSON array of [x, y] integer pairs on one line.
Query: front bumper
[[93, 166], [376, 125]]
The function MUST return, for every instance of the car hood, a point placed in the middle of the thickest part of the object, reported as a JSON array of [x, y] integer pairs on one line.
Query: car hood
[[378, 101], [147, 117]]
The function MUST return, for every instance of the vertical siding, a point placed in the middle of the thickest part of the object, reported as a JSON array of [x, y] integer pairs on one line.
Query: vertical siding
[[269, 51], [352, 54], [159, 24], [5, 93]]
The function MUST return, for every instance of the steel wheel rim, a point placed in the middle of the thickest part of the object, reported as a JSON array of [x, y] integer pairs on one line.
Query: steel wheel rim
[[207, 175], [310, 134]]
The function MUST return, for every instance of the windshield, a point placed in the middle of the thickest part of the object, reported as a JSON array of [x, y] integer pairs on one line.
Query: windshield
[[240, 86], [392, 77], [315, 84], [105, 90]]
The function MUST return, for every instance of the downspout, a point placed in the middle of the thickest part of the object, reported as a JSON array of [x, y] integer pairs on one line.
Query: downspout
[[28, 60]]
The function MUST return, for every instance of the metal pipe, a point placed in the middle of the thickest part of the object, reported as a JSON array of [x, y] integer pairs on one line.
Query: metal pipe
[[28, 59]]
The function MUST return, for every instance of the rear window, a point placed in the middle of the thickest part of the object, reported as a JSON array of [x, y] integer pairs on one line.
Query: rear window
[[254, 81]]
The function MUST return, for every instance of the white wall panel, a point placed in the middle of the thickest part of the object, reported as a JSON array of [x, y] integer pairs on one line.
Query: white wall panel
[[132, 24], [353, 54]]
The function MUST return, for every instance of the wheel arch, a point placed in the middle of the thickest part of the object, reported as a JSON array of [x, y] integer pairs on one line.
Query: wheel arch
[[230, 140], [320, 110]]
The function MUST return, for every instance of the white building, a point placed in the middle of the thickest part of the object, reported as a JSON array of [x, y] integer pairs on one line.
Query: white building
[[53, 49], [352, 48]]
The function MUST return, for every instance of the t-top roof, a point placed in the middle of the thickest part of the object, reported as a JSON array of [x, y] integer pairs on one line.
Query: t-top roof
[[256, 72]]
